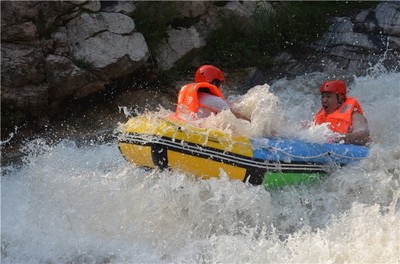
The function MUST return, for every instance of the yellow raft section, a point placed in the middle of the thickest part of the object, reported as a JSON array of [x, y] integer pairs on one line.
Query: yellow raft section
[[148, 127]]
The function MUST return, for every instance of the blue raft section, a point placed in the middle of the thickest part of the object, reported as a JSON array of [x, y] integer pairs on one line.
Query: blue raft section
[[299, 151]]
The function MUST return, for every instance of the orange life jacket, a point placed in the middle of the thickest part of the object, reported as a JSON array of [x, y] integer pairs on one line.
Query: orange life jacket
[[188, 100], [341, 119]]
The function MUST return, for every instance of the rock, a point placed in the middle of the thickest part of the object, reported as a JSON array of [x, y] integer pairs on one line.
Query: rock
[[18, 12], [61, 42], [185, 41], [342, 40], [388, 18], [65, 79], [29, 100], [92, 6], [193, 8], [353, 44], [106, 42], [22, 32], [350, 47], [58, 51], [88, 25], [90, 88], [22, 64], [124, 7], [241, 9], [115, 55], [179, 43]]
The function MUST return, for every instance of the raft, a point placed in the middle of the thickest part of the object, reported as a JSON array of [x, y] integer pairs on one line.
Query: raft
[[155, 142]]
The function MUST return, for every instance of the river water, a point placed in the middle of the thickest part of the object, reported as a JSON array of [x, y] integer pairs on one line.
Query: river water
[[83, 203]]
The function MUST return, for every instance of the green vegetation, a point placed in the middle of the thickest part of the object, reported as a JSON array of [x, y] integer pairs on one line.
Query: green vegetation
[[83, 63], [41, 22], [292, 27], [152, 19], [234, 45]]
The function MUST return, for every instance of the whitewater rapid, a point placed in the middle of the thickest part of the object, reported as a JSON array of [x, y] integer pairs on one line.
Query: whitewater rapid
[[74, 203]]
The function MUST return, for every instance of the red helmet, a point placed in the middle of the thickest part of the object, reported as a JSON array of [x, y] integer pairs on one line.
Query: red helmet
[[209, 73], [337, 87]]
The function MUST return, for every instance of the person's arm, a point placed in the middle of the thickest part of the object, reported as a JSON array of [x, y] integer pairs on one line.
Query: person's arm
[[238, 115], [360, 132]]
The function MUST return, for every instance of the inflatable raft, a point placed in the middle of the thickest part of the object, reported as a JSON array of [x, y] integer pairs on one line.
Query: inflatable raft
[[275, 162]]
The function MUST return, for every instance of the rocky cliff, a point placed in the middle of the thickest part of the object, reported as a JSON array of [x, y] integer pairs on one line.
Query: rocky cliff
[[54, 51], [351, 46]]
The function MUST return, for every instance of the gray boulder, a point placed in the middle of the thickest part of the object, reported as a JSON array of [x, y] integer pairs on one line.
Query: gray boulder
[[57, 51], [351, 46]]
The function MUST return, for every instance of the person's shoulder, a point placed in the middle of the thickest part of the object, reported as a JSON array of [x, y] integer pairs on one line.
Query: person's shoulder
[[356, 114], [358, 117]]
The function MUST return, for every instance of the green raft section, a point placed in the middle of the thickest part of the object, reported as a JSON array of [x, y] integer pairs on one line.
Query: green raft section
[[277, 180]]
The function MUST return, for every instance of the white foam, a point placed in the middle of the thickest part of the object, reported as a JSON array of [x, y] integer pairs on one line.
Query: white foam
[[71, 203]]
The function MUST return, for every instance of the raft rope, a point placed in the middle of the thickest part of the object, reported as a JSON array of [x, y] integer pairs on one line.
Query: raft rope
[[275, 149], [225, 155], [199, 149]]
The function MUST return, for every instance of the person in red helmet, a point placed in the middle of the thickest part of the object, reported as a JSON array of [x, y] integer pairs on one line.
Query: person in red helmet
[[343, 113], [203, 97]]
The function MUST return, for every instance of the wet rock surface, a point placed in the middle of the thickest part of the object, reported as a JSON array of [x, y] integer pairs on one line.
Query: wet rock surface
[[350, 47]]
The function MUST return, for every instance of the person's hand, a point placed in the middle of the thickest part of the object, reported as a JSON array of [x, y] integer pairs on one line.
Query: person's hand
[[335, 138]]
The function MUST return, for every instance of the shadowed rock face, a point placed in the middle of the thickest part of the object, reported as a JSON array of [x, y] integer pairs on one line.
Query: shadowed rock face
[[350, 47], [53, 51], [57, 51]]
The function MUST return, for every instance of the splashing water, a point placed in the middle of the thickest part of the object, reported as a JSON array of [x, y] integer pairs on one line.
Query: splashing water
[[70, 203]]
